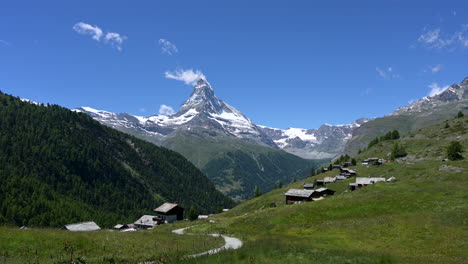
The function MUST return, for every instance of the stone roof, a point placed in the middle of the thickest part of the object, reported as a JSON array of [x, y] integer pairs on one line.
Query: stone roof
[[299, 193], [321, 189], [146, 220], [166, 207], [83, 226], [366, 180], [329, 179], [308, 185]]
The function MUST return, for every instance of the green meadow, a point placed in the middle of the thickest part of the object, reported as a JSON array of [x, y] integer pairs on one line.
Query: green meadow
[[105, 246], [422, 217]]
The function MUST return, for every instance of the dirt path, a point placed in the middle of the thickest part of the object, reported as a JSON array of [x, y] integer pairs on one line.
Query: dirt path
[[229, 242]]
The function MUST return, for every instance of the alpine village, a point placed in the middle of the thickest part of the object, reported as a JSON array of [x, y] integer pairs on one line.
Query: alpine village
[[205, 183]]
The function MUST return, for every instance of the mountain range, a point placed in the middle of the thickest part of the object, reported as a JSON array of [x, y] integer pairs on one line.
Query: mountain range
[[208, 131], [204, 109]]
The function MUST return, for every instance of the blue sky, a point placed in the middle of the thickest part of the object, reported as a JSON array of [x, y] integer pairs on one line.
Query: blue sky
[[281, 64]]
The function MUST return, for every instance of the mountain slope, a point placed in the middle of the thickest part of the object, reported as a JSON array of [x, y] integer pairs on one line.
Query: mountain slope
[[58, 167], [210, 132], [422, 113], [419, 218]]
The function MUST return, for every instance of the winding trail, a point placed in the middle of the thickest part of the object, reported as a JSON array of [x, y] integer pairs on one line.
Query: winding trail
[[229, 242]]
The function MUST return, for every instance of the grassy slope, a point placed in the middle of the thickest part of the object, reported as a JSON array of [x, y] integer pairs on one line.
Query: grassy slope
[[420, 218], [55, 246], [403, 123]]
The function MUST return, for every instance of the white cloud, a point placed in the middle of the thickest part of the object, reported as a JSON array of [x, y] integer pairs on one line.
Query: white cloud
[[436, 68], [166, 110], [115, 40], [429, 36], [433, 68], [142, 110], [387, 73], [189, 77], [436, 39], [436, 89], [167, 47], [87, 29]]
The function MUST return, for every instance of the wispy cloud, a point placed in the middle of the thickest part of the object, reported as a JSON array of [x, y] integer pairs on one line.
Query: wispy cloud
[[87, 29], [436, 39], [433, 68], [167, 47], [166, 110], [142, 110], [4, 43], [436, 89], [387, 73], [189, 77], [113, 39]]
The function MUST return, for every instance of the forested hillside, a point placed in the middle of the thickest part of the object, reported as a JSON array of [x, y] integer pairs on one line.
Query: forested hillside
[[58, 166]]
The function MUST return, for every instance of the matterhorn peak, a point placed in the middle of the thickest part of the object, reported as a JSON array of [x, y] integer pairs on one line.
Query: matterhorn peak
[[202, 99]]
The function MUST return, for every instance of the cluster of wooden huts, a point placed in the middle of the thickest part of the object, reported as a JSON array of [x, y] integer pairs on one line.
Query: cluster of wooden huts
[[373, 161], [345, 173], [166, 213], [364, 181]]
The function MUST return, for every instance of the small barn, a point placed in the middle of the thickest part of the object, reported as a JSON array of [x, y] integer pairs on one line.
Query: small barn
[[341, 177], [322, 192], [320, 183], [170, 212], [297, 195], [83, 226], [146, 222], [308, 186], [337, 167], [329, 180]]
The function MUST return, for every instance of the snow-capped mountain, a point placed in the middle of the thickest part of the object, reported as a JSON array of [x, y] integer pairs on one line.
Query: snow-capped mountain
[[201, 109], [456, 92], [204, 110], [325, 142]]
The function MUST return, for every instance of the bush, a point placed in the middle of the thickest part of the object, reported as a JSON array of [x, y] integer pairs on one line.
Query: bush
[[398, 151], [454, 151], [193, 214]]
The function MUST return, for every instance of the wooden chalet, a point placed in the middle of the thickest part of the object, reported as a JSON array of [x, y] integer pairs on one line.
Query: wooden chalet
[[348, 172], [341, 177], [322, 192], [297, 195], [337, 167], [169, 212], [347, 164], [308, 186]]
